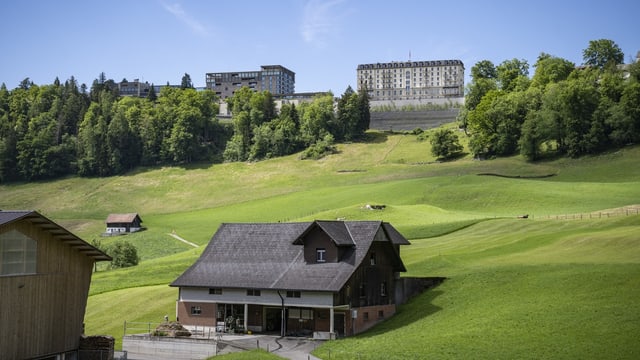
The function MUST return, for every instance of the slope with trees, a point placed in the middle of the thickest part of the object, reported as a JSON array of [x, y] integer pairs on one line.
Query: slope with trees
[[561, 110]]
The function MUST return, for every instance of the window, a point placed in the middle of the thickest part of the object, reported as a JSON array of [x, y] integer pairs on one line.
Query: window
[[196, 310], [17, 253], [253, 292], [215, 291], [363, 289], [372, 258], [380, 314], [320, 255], [365, 316], [383, 288], [293, 294], [303, 314]]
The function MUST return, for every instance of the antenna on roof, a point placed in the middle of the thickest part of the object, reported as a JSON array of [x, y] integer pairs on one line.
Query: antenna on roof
[[409, 55]]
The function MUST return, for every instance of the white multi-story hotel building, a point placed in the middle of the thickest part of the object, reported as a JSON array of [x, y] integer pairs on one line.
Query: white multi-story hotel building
[[434, 81]]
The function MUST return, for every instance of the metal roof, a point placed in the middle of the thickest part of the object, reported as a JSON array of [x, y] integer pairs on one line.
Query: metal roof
[[57, 231]]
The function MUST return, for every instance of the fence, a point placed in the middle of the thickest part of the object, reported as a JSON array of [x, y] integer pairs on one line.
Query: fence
[[626, 211], [139, 327]]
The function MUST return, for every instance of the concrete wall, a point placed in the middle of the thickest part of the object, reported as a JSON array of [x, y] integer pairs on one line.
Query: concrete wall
[[144, 347], [409, 120]]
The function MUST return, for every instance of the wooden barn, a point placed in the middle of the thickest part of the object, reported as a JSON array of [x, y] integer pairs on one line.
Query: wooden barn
[[45, 273], [322, 279], [123, 223]]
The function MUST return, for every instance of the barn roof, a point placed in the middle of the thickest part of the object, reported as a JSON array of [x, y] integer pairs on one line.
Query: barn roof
[[57, 231], [270, 256], [122, 218]]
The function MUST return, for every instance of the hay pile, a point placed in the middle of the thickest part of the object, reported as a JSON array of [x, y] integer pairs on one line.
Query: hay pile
[[171, 329]]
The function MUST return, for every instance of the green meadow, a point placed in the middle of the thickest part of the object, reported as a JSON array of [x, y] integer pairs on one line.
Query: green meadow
[[563, 283]]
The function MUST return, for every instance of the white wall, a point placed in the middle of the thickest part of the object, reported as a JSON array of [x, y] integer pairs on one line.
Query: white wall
[[267, 297]]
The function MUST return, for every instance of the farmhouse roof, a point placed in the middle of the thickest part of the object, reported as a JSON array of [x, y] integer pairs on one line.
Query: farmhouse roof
[[270, 256], [122, 218], [58, 232]]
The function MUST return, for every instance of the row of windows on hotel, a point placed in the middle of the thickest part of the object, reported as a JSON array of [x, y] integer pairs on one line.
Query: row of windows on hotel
[[451, 69], [408, 91]]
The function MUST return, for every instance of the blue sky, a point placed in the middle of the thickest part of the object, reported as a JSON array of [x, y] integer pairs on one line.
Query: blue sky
[[322, 41]]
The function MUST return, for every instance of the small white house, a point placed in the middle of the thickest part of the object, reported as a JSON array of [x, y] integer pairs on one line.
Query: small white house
[[123, 223]]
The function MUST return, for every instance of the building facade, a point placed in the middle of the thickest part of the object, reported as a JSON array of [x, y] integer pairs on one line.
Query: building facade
[[322, 279], [45, 273], [276, 79], [413, 81], [123, 223]]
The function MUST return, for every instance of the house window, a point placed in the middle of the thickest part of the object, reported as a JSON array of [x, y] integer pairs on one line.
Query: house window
[[293, 294], [380, 314], [215, 291], [303, 314], [321, 255], [383, 288], [363, 290], [365, 316], [196, 310], [17, 253], [253, 292], [372, 258]]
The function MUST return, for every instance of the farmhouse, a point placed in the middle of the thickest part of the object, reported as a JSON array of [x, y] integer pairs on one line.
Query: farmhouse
[[123, 223], [45, 272], [321, 278]]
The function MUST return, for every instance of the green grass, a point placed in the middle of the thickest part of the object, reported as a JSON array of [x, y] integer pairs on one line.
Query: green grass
[[516, 288], [107, 312]]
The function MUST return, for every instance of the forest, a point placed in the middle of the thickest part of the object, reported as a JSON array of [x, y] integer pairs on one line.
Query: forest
[[62, 129], [562, 110]]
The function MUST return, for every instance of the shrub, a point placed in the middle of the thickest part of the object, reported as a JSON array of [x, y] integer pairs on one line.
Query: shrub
[[124, 254]]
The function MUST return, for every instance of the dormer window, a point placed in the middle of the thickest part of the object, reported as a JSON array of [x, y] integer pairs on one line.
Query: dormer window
[[321, 254]]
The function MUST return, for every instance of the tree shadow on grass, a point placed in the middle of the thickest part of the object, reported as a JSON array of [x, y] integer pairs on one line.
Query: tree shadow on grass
[[374, 138]]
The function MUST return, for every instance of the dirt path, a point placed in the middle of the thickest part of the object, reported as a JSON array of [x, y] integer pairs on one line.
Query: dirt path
[[175, 236]]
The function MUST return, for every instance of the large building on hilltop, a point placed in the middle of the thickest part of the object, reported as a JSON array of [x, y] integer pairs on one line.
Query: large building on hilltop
[[413, 82], [276, 79]]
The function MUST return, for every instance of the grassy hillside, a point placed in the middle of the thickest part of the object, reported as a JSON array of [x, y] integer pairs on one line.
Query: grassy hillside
[[516, 288]]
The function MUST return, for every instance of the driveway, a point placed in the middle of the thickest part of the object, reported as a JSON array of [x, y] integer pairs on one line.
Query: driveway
[[292, 348]]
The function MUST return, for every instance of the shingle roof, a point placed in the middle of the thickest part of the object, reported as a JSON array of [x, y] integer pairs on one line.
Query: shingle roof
[[122, 218], [269, 256], [57, 231]]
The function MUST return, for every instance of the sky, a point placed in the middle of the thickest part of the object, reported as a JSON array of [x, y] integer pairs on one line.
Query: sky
[[322, 41]]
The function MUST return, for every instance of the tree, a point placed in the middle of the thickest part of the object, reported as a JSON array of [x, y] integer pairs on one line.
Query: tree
[[364, 119], [602, 54], [510, 73], [186, 82], [483, 69], [316, 118], [152, 94], [551, 69], [445, 144], [344, 127], [123, 253]]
